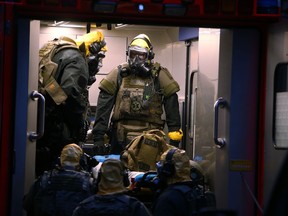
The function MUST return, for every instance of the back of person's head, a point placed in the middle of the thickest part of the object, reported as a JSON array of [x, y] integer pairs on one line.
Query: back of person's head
[[111, 177], [174, 166], [70, 155]]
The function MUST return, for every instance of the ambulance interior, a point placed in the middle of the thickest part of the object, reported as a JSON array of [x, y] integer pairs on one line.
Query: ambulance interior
[[193, 56], [175, 48]]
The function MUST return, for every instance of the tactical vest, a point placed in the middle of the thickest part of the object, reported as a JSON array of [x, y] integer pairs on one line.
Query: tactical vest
[[61, 191], [139, 100], [47, 83]]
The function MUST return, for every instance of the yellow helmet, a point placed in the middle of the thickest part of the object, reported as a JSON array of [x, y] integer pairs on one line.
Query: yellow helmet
[[96, 38], [142, 43]]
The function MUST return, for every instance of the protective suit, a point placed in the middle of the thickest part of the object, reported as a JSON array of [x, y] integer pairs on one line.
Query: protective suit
[[136, 91], [74, 71], [111, 198], [183, 193], [58, 191]]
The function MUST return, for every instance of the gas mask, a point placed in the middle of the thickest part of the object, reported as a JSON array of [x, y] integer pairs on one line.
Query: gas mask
[[94, 64], [138, 61], [94, 60]]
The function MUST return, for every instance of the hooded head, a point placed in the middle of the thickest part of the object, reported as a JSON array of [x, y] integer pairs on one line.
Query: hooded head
[[174, 166], [112, 175], [93, 47], [70, 155]]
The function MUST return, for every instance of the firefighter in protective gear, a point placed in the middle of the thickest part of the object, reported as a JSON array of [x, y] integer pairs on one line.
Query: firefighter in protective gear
[[76, 63], [136, 91]]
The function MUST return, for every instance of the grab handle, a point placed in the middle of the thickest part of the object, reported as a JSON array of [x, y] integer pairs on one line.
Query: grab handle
[[35, 95], [220, 103]]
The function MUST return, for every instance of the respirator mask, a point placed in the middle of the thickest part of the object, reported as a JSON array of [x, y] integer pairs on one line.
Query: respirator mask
[[94, 60], [138, 61]]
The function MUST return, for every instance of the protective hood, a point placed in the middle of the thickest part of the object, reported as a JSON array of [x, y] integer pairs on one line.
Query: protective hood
[[182, 166], [111, 176], [70, 155]]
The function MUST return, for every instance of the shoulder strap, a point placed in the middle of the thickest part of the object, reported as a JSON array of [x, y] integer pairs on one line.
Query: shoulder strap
[[119, 77], [156, 69], [155, 74]]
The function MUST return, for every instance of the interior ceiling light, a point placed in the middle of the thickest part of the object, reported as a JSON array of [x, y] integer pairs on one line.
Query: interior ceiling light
[[58, 23], [120, 25], [65, 24]]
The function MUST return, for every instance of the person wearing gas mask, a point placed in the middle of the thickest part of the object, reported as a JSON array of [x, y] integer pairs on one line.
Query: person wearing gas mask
[[137, 90], [67, 68]]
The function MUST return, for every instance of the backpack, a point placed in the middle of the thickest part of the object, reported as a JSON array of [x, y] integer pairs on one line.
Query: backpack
[[197, 198], [142, 153], [47, 68]]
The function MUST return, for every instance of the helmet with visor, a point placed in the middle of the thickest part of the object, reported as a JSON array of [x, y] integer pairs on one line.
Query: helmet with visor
[[140, 53]]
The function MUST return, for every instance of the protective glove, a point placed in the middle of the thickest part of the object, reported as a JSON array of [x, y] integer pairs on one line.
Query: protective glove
[[87, 162], [175, 137], [91, 162]]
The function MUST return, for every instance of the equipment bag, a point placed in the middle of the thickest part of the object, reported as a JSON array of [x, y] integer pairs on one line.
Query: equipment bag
[[48, 68], [142, 153]]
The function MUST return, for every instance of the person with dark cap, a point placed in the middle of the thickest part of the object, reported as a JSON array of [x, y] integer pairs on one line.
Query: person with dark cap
[[182, 190], [138, 92], [67, 68], [111, 198], [58, 191]]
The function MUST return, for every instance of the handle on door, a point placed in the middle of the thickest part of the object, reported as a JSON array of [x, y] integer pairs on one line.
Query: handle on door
[[35, 95], [220, 103]]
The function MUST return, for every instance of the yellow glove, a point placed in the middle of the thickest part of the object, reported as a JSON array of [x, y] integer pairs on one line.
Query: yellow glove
[[176, 135]]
